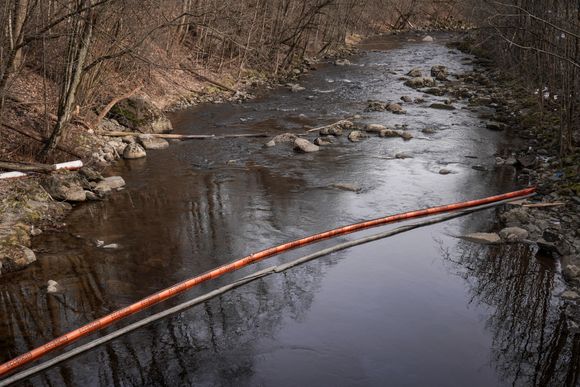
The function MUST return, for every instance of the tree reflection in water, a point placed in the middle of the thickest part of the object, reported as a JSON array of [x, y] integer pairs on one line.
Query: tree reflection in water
[[532, 343]]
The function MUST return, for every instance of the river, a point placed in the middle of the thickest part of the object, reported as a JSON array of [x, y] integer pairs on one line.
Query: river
[[421, 308]]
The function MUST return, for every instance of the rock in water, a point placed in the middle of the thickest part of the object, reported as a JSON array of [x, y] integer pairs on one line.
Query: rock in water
[[375, 128], [420, 82], [321, 141], [150, 142], [439, 72], [483, 237], [341, 62], [15, 257], [415, 72], [109, 183], [305, 146], [442, 106], [356, 136], [54, 287], [406, 98], [396, 108], [347, 187], [134, 151], [513, 234], [284, 138], [427, 39]]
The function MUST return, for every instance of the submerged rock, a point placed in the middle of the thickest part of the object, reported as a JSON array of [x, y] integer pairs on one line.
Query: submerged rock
[[150, 142], [109, 183], [305, 146], [134, 151], [347, 187], [442, 106]]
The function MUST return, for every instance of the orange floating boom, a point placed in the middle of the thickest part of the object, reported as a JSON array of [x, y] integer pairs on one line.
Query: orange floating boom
[[235, 265]]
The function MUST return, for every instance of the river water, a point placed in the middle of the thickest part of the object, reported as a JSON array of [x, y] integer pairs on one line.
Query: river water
[[420, 309]]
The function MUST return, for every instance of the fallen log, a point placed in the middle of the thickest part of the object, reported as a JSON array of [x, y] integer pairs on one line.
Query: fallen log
[[21, 169], [184, 136]]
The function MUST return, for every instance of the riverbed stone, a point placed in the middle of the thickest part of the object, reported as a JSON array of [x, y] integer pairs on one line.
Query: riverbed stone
[[356, 136], [109, 183], [375, 128], [428, 131], [513, 234], [427, 38], [15, 257], [342, 62], [304, 146], [134, 151], [439, 72], [375, 106], [406, 98], [442, 106], [54, 287], [483, 237], [151, 142], [420, 82], [284, 138], [415, 72], [395, 108], [322, 141]]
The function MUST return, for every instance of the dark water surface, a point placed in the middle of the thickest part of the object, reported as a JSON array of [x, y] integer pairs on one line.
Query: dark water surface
[[419, 309]]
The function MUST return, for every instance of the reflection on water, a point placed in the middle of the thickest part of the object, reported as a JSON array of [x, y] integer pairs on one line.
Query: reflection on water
[[532, 345], [389, 313]]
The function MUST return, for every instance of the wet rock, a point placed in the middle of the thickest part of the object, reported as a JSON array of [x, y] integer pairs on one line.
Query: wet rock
[[375, 106], [429, 131], [445, 171], [483, 238], [356, 136], [388, 133], [570, 295], [395, 108], [35, 231], [513, 234], [546, 248], [479, 167], [295, 87], [496, 126], [337, 128], [347, 187], [375, 128], [66, 186], [150, 142], [15, 257], [427, 39], [415, 72], [420, 82], [527, 161], [322, 141], [403, 155], [406, 98], [111, 246], [570, 272], [405, 135], [419, 100], [551, 235], [284, 138], [108, 184], [53, 287], [134, 151], [516, 217], [439, 72], [438, 91], [305, 146], [92, 196], [442, 106], [342, 62], [499, 161], [139, 112]]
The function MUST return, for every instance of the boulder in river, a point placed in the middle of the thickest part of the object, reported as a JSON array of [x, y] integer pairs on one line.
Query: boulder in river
[[439, 72], [284, 138], [388, 133], [442, 106], [420, 82], [305, 146], [396, 108], [134, 151], [356, 136], [140, 113], [427, 38], [428, 131], [375, 128], [151, 142], [415, 72], [406, 98], [53, 287], [322, 141], [375, 106], [336, 128]]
